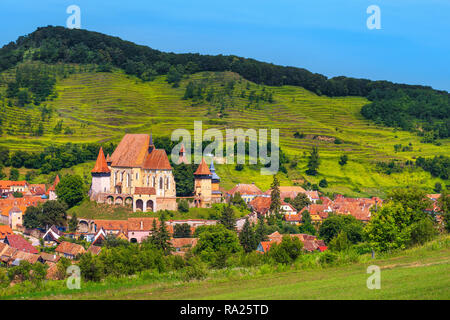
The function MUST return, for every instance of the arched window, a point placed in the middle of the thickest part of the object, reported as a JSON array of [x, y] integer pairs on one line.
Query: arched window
[[128, 180], [161, 183], [167, 183], [121, 176], [154, 182], [148, 180]]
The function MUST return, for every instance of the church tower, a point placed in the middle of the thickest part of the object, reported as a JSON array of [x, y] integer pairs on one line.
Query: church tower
[[202, 185], [216, 194], [100, 176]]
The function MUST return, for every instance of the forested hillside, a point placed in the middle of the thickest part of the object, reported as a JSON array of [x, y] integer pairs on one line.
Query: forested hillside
[[416, 108], [60, 86]]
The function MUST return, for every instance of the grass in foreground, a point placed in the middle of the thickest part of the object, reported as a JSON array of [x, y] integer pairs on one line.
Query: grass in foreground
[[418, 273]]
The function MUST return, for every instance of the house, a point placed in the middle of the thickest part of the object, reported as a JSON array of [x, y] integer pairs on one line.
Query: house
[[4, 231], [141, 228], [310, 242], [37, 189], [6, 252], [52, 235], [52, 190], [99, 237], [23, 256], [248, 192], [7, 187], [261, 206], [113, 227], [183, 244], [15, 218], [18, 242], [287, 191], [48, 257], [252, 218], [313, 196], [69, 250]]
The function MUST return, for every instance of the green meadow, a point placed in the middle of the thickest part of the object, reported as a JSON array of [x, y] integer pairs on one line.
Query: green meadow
[[417, 273], [100, 107]]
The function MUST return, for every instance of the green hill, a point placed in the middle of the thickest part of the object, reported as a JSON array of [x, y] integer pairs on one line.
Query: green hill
[[89, 105]]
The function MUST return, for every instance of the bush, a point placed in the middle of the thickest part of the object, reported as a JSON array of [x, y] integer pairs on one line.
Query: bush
[[287, 251], [328, 258], [183, 206], [422, 231], [196, 270]]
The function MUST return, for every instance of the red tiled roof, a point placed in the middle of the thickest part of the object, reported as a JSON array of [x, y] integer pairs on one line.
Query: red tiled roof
[[55, 183], [157, 160], [95, 250], [141, 224], [70, 248], [131, 151], [20, 243], [4, 231], [108, 225], [100, 164], [6, 184], [202, 169], [246, 189], [261, 204], [184, 242], [145, 190]]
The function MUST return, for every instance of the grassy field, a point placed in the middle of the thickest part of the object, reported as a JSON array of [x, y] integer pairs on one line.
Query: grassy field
[[102, 107], [418, 273]]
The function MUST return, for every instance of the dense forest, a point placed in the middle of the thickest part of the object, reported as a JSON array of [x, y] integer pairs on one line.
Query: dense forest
[[409, 107]]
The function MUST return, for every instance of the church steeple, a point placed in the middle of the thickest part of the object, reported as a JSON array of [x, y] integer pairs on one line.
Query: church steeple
[[151, 146], [101, 166]]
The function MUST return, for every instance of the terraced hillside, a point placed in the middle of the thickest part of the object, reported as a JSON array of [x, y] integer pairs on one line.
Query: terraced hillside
[[103, 106]]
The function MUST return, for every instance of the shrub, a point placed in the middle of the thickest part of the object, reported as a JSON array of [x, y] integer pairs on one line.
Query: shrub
[[183, 206], [422, 231], [196, 270], [328, 258]]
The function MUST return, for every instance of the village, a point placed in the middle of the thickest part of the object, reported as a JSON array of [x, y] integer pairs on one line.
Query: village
[[140, 176]]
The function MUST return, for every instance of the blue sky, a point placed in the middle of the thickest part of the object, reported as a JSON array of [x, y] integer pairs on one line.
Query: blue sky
[[324, 36]]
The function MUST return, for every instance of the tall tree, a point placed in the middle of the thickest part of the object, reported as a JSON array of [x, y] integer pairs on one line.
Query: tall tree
[[261, 230], [71, 190], [300, 201], [275, 197], [227, 218], [313, 162], [247, 237], [161, 237], [73, 223]]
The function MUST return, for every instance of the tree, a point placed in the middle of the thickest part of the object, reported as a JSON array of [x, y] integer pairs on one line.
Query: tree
[[73, 223], [183, 206], [340, 242], [335, 224], [2, 174], [237, 200], [247, 237], [422, 231], [184, 179], [227, 218], [182, 231], [90, 267], [306, 226], [388, 228], [275, 197], [53, 213], [323, 183], [45, 215], [216, 243], [437, 187], [71, 190], [300, 201], [261, 230], [313, 162], [287, 251], [14, 174], [343, 160]]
